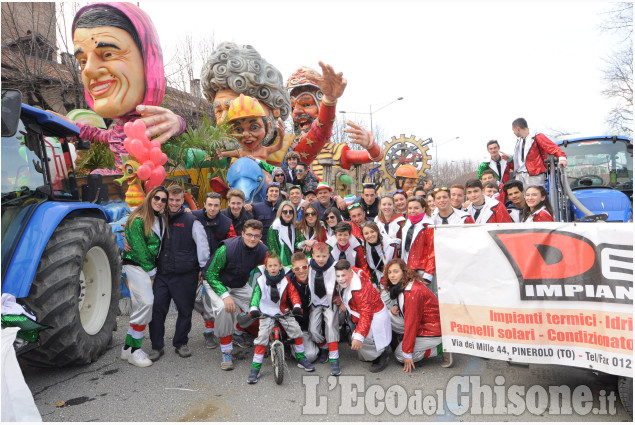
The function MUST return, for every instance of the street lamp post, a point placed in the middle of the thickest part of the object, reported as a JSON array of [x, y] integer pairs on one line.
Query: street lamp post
[[371, 112], [436, 157]]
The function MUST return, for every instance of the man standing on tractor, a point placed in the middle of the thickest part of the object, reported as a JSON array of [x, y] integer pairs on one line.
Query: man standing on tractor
[[530, 154]]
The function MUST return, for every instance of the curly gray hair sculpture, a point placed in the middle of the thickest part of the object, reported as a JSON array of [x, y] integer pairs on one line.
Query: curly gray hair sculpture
[[240, 68]]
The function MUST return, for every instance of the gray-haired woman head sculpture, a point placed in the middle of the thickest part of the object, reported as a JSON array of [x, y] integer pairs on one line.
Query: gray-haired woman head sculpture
[[234, 69]]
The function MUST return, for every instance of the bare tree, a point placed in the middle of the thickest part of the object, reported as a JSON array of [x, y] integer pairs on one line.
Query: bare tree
[[618, 69], [182, 74], [30, 60], [456, 171]]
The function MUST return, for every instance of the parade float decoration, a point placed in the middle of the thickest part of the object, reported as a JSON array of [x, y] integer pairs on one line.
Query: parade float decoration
[[133, 74], [313, 118], [405, 163], [232, 70]]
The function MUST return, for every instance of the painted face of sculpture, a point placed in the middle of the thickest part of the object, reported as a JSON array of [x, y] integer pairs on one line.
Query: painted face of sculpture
[[112, 69], [305, 111], [405, 183], [249, 131], [222, 102]]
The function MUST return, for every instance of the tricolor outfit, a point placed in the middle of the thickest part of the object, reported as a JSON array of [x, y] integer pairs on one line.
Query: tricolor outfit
[[529, 156], [184, 252], [541, 215], [391, 228], [456, 217], [378, 255], [501, 168], [139, 264], [310, 347], [217, 230], [323, 311], [228, 275], [353, 252], [368, 314], [155, 83], [492, 211], [283, 240], [417, 247], [271, 302], [421, 329]]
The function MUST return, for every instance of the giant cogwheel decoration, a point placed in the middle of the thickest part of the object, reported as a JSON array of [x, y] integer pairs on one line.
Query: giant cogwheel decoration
[[405, 150]]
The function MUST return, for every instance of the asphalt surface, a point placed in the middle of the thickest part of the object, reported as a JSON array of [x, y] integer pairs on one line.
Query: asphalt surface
[[196, 389]]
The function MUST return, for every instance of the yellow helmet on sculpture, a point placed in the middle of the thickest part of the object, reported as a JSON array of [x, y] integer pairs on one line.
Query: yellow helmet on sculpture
[[243, 107]]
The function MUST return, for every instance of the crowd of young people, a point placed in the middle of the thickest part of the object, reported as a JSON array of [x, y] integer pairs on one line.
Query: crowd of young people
[[362, 273]]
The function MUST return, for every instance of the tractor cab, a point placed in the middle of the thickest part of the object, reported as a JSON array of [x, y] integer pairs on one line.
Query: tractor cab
[[36, 166], [598, 179]]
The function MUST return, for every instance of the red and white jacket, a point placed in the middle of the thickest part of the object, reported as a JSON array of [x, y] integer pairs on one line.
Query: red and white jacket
[[394, 226], [420, 256], [362, 302], [420, 308], [537, 148], [457, 217], [541, 215], [491, 212], [354, 253]]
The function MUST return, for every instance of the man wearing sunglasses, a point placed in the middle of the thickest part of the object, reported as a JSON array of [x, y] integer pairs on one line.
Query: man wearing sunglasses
[[305, 178], [228, 277], [299, 277]]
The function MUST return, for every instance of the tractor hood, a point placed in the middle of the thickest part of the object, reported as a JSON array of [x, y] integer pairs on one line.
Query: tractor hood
[[604, 200]]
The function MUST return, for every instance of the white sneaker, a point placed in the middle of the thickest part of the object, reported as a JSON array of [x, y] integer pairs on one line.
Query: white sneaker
[[125, 354], [140, 358]]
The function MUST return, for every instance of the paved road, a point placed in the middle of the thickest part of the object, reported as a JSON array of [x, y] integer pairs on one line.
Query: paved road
[[196, 389]]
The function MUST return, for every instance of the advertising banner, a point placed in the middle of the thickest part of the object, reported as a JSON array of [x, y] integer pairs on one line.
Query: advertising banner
[[559, 293]]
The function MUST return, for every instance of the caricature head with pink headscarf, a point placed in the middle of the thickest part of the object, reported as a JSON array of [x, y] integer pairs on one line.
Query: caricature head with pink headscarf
[[118, 50]]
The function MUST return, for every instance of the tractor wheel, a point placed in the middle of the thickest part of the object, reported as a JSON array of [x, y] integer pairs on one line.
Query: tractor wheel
[[76, 292], [625, 389]]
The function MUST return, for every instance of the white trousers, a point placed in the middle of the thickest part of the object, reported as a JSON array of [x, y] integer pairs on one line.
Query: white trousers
[[423, 345], [141, 296], [289, 324], [330, 317], [224, 322], [203, 302]]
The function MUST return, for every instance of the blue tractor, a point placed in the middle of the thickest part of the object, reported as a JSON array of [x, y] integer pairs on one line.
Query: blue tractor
[[597, 183], [60, 258]]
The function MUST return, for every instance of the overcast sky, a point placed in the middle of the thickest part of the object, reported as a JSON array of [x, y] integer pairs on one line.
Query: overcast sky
[[463, 69]]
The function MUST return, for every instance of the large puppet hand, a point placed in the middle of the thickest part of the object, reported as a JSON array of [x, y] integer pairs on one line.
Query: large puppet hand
[[360, 135], [332, 84], [159, 120]]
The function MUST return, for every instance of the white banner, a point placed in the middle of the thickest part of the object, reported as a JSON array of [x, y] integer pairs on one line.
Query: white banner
[[558, 293]]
